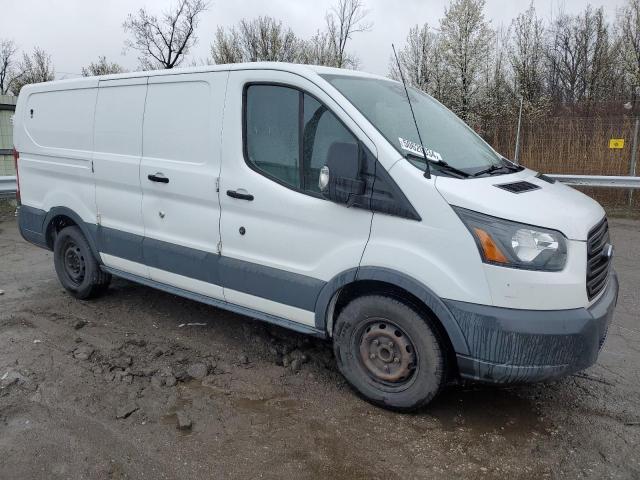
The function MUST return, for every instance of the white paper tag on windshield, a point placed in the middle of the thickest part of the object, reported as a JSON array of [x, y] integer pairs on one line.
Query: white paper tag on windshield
[[416, 149]]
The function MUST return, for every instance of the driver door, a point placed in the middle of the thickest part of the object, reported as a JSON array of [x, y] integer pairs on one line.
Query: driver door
[[281, 241]]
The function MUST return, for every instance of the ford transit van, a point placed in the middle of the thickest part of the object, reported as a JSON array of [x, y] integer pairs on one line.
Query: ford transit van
[[309, 197]]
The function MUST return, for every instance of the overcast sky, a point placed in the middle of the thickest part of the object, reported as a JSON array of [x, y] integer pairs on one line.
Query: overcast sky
[[76, 32]]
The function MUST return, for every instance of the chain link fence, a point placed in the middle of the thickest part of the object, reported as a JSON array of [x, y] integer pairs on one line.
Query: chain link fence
[[7, 106], [577, 146]]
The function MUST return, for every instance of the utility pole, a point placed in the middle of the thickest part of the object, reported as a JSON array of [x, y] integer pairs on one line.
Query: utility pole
[[634, 146], [517, 154]]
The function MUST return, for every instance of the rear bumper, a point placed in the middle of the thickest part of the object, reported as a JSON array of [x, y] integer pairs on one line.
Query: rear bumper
[[31, 223], [509, 346]]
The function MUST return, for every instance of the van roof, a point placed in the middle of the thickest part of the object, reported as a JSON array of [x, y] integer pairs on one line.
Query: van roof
[[301, 69]]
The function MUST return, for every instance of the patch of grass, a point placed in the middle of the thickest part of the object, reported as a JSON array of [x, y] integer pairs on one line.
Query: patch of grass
[[7, 208]]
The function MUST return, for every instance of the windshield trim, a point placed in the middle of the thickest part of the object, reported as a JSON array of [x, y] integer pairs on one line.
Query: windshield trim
[[327, 76]]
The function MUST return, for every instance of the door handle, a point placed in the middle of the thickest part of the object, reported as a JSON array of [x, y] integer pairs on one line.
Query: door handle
[[158, 177], [240, 195]]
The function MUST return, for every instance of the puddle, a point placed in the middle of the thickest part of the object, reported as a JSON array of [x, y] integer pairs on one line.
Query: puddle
[[277, 406], [485, 409]]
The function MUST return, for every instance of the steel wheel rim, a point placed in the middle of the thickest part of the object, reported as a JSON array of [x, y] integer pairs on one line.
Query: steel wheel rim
[[387, 353], [74, 263]]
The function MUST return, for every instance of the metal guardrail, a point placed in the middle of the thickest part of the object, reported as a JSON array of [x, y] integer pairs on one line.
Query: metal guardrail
[[598, 180], [7, 187], [8, 184]]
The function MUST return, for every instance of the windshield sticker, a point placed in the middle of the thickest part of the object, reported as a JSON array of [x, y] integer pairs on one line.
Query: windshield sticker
[[416, 149]]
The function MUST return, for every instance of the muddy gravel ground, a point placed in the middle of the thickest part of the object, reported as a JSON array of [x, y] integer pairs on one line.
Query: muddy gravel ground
[[142, 384]]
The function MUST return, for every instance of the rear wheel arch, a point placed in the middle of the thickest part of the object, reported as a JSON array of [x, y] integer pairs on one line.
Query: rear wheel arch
[[60, 217], [55, 225]]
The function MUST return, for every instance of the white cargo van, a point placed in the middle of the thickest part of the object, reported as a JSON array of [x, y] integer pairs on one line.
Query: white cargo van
[[304, 196]]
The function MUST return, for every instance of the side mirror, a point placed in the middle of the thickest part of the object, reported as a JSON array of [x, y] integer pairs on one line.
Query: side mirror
[[339, 178]]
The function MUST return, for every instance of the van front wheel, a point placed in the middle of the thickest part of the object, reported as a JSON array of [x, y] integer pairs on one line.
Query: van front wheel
[[389, 352], [76, 267]]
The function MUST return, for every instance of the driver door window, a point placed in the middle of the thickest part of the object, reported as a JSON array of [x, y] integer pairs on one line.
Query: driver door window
[[289, 135], [273, 132]]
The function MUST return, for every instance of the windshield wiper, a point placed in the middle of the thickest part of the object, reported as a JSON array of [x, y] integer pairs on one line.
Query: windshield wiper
[[445, 166], [495, 168], [512, 166], [491, 169], [440, 164]]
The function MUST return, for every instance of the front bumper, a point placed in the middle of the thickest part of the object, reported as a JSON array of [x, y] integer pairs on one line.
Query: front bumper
[[509, 345]]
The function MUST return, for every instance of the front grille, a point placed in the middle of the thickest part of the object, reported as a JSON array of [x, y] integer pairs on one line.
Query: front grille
[[598, 263]]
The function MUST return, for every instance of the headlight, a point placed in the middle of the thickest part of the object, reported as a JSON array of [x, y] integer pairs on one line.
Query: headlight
[[513, 244]]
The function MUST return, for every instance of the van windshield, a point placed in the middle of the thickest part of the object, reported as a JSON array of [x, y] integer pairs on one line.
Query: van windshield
[[445, 137]]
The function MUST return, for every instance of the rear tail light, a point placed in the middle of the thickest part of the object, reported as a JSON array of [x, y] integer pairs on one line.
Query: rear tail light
[[16, 156]]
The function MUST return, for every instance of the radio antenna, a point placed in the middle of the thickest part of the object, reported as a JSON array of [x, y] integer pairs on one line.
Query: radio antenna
[[427, 170]]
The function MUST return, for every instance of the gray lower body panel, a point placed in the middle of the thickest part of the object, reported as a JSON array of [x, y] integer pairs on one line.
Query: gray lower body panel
[[273, 284], [299, 327], [511, 346]]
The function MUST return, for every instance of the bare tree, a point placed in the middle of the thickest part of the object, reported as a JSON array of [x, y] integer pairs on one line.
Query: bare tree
[[466, 39], [628, 21], [163, 42], [343, 21], [601, 60], [8, 67], [263, 39], [442, 78], [266, 39], [416, 58], [526, 55], [101, 67], [34, 69], [495, 96], [226, 47], [318, 50], [580, 58]]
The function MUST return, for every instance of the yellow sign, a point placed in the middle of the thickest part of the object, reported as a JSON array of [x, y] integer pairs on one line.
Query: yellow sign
[[615, 143]]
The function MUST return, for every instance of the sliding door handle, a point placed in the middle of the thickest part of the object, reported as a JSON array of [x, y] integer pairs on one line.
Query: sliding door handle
[[240, 194], [158, 177]]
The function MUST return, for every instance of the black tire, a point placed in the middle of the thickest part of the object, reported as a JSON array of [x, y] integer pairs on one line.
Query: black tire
[[77, 268], [404, 337]]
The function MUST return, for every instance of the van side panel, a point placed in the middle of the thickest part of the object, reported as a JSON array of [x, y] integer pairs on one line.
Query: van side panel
[[61, 119], [54, 138], [117, 154]]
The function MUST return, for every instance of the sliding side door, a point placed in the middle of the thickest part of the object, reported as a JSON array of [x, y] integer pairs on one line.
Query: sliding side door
[[179, 171]]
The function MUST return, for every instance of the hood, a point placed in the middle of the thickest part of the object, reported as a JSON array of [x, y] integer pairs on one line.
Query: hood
[[552, 205]]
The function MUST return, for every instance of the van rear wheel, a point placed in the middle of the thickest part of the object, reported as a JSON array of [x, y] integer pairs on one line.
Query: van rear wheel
[[76, 266], [389, 352]]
